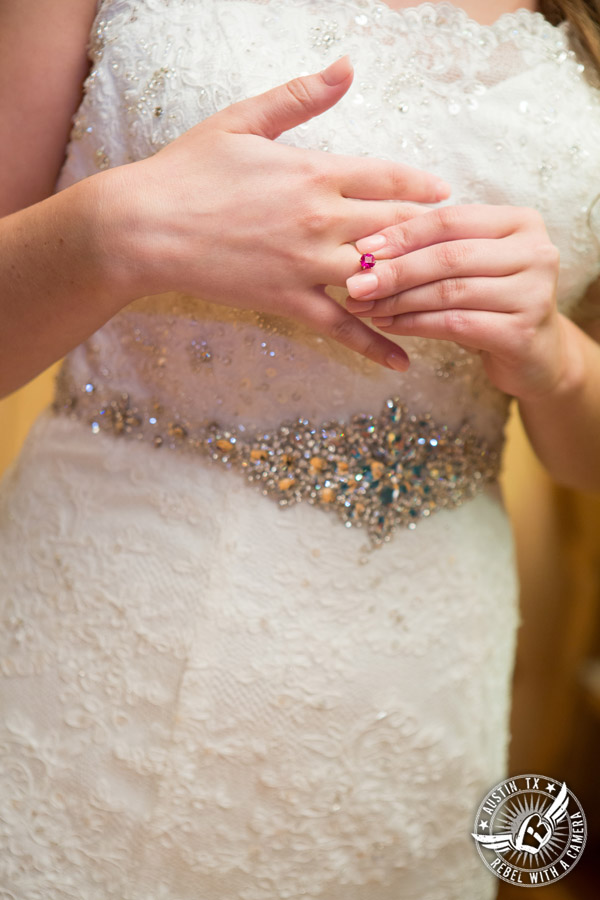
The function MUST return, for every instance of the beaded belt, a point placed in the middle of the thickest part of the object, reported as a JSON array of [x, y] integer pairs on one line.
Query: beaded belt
[[378, 472]]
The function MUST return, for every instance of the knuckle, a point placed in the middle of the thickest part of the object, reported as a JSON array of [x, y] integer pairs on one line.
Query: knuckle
[[314, 222], [407, 211], [449, 290], [447, 217], [399, 237], [452, 255], [299, 91], [544, 254], [319, 176], [399, 181], [524, 340], [456, 322], [343, 331], [396, 271], [372, 350], [550, 254]]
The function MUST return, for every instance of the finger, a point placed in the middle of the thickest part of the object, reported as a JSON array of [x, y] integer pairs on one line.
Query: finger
[[287, 105], [334, 265], [455, 259], [339, 258], [492, 294], [474, 329], [449, 223], [323, 314], [362, 217], [378, 179]]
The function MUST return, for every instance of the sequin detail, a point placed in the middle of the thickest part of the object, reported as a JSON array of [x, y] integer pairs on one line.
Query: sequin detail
[[380, 472]]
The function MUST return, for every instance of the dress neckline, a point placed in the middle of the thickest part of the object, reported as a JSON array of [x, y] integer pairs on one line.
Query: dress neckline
[[451, 16]]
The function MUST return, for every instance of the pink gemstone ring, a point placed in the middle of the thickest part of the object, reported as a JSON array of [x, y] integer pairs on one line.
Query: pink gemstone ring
[[367, 261]]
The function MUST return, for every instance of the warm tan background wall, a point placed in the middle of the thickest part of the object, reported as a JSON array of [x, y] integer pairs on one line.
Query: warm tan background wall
[[18, 411], [556, 707]]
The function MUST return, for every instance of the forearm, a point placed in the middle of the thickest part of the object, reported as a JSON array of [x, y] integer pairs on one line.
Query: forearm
[[564, 426], [63, 274]]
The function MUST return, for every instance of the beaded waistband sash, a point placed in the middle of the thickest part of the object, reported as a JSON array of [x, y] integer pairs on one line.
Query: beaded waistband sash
[[380, 472]]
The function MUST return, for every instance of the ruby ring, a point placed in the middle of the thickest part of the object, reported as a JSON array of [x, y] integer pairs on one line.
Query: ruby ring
[[367, 261]]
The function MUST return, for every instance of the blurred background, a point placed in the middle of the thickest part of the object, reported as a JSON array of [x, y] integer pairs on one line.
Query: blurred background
[[556, 700]]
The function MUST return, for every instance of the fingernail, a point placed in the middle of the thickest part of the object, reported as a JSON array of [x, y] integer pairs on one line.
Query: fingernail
[[397, 362], [360, 306], [359, 285], [382, 320], [367, 245], [443, 190], [337, 71]]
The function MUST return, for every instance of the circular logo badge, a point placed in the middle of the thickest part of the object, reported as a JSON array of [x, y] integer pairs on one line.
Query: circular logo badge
[[530, 830]]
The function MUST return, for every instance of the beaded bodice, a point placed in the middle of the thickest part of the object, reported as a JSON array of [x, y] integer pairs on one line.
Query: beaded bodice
[[505, 113]]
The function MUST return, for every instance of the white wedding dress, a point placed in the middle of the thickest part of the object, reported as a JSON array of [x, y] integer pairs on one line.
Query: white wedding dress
[[259, 600]]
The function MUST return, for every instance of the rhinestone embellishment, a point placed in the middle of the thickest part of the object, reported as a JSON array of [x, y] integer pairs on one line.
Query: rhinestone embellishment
[[367, 261], [375, 472]]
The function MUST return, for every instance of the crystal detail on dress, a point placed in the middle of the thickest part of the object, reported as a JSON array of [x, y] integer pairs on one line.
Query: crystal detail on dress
[[379, 472]]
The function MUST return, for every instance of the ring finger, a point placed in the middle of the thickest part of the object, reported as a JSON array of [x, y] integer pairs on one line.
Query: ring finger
[[341, 259]]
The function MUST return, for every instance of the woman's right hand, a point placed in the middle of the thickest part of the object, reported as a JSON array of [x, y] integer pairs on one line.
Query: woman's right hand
[[226, 213]]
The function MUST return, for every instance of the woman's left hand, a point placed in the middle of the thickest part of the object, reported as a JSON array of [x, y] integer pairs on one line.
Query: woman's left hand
[[484, 277]]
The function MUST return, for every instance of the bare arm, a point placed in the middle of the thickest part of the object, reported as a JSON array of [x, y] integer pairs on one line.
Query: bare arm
[[570, 417], [59, 276], [46, 268], [43, 63]]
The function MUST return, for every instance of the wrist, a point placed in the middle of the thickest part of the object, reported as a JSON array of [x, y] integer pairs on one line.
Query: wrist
[[573, 368], [114, 234], [570, 376]]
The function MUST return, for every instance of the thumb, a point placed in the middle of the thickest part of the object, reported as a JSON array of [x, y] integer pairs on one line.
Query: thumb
[[283, 107]]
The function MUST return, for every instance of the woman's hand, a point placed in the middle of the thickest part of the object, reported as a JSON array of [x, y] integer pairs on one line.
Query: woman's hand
[[226, 213], [484, 277]]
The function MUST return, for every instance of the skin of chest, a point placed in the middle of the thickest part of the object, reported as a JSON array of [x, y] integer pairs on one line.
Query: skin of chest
[[484, 11]]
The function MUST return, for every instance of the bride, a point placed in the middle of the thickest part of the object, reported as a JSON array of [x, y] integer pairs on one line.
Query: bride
[[258, 590]]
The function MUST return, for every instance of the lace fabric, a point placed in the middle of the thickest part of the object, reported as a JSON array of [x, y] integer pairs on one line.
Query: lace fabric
[[202, 693]]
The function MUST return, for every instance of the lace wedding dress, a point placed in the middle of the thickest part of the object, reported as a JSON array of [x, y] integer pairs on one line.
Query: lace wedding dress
[[259, 597]]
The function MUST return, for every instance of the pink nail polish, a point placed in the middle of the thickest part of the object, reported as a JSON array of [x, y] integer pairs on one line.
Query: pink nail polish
[[359, 285], [397, 362], [359, 306], [367, 245], [443, 190], [337, 71]]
